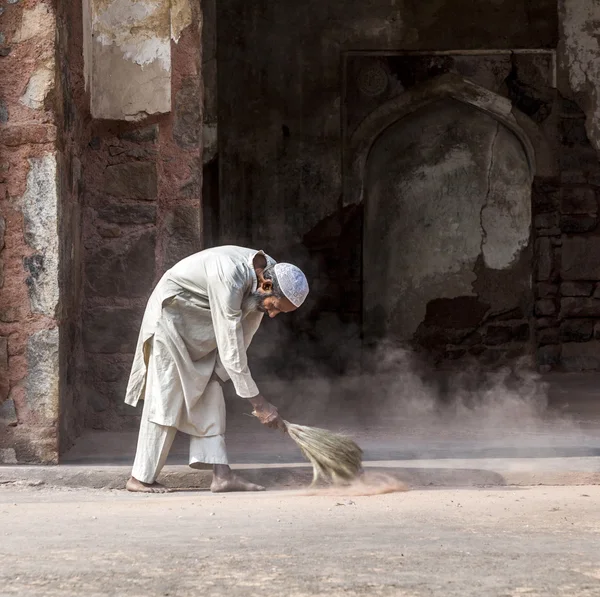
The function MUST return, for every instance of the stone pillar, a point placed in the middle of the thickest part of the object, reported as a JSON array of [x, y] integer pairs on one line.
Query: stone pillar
[[29, 260], [142, 205]]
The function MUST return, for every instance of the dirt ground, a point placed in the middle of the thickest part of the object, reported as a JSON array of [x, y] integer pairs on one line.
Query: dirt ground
[[534, 542]]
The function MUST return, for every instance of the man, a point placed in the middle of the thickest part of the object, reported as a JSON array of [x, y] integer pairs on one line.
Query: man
[[198, 324]]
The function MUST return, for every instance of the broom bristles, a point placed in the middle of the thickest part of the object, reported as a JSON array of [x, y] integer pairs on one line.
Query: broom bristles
[[334, 457]]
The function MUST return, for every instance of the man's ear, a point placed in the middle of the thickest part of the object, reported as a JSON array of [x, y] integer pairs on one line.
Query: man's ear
[[266, 285]]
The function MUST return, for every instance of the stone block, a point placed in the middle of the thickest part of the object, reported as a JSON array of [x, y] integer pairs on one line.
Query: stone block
[[4, 384], [111, 330], [581, 258], [545, 307], [183, 229], [147, 134], [545, 322], [133, 180], [579, 307], [548, 356], [576, 288], [13, 135], [39, 86], [128, 213], [40, 212], [548, 336], [576, 330], [581, 356], [545, 290], [123, 267], [187, 128], [3, 111], [42, 382], [8, 413], [545, 259], [8, 456], [578, 200], [546, 220], [574, 224]]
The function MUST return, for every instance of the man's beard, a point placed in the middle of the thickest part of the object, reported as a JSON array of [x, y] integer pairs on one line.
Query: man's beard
[[255, 301]]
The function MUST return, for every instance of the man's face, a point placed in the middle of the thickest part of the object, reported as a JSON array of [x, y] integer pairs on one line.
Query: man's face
[[266, 302], [273, 305]]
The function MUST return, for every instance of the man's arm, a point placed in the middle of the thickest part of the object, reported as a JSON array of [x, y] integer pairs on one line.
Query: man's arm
[[225, 294]]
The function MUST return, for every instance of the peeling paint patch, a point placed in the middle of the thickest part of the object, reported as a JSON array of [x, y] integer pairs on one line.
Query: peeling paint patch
[[141, 30], [181, 17]]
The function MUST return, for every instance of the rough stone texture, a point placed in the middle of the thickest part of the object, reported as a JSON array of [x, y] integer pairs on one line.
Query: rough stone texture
[[188, 114], [545, 307], [576, 288], [183, 229], [4, 375], [580, 307], [576, 330], [580, 356], [124, 267], [39, 86], [141, 212], [43, 379], [123, 213], [545, 261], [132, 180], [99, 329], [40, 212], [579, 258], [28, 209], [578, 200]]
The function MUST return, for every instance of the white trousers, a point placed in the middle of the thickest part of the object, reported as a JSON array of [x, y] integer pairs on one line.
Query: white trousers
[[155, 441]]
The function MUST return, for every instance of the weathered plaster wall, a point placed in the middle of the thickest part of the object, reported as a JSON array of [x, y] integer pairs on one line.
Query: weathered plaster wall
[[283, 118], [29, 228], [447, 189]]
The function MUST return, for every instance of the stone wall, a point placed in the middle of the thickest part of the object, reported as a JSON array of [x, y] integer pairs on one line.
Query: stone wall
[[567, 252], [141, 214], [283, 121], [29, 229]]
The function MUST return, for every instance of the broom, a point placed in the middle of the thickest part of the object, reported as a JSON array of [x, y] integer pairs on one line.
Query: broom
[[334, 457]]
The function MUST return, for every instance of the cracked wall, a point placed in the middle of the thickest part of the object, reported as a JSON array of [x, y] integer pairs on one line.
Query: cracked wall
[[29, 232], [445, 188]]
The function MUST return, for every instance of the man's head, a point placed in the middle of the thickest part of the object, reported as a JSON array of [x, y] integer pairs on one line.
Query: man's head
[[281, 288]]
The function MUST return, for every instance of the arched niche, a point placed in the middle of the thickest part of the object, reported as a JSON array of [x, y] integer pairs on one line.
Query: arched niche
[[447, 197]]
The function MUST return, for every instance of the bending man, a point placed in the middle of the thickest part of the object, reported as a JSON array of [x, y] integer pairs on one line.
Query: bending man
[[198, 324]]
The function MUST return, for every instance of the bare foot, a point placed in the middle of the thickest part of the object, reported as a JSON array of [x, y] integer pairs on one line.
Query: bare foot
[[233, 483], [135, 485]]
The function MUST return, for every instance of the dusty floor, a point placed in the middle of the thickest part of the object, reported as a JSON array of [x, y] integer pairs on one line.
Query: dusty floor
[[537, 542]]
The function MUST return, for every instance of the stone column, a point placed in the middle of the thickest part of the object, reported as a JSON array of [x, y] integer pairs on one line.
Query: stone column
[[29, 261]]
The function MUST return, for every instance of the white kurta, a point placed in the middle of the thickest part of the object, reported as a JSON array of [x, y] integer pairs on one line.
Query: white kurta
[[196, 323]]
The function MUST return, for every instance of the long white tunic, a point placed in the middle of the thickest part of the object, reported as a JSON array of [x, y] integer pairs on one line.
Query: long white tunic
[[196, 323]]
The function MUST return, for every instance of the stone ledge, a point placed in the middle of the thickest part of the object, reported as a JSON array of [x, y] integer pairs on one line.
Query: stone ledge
[[430, 473]]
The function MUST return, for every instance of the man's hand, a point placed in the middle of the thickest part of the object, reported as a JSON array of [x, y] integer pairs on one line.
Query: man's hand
[[267, 414]]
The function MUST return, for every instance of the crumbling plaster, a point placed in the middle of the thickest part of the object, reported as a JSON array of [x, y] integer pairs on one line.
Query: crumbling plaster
[[127, 55]]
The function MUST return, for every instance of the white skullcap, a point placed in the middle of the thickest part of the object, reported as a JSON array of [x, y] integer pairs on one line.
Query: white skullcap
[[292, 282]]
